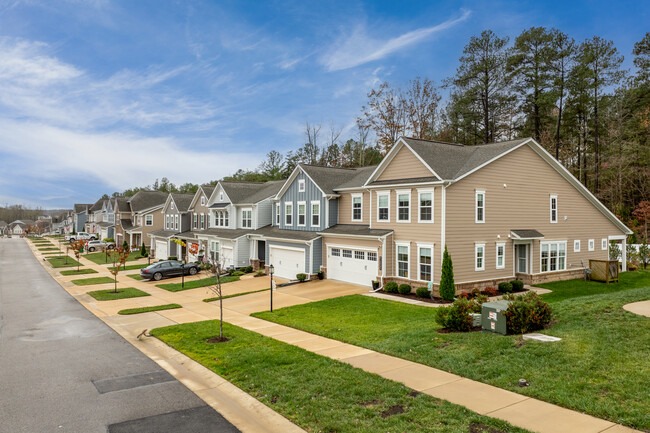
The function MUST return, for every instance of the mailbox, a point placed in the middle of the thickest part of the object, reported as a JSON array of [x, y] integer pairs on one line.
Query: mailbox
[[493, 317]]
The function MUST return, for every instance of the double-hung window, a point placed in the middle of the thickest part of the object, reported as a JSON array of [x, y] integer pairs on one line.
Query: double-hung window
[[425, 262], [247, 218], [501, 255], [425, 206], [301, 185], [148, 220], [383, 207], [591, 244], [302, 213], [404, 206], [202, 221], [480, 206], [277, 214], [167, 222], [225, 219], [315, 213], [403, 260], [175, 222], [553, 208], [195, 221], [553, 256], [288, 214], [357, 204], [479, 257], [202, 200]]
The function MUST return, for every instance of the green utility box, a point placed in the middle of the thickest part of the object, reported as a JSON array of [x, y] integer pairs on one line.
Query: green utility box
[[493, 317]]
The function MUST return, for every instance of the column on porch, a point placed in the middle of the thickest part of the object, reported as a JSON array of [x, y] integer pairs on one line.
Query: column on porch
[[624, 253]]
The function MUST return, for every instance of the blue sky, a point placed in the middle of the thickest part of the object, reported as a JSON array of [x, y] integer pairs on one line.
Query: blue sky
[[97, 96]]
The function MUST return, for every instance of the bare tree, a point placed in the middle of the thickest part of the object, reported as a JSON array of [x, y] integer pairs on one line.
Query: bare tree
[[215, 270], [421, 103], [385, 114]]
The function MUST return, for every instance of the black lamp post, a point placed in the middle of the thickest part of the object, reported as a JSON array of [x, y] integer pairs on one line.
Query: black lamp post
[[183, 274], [271, 269]]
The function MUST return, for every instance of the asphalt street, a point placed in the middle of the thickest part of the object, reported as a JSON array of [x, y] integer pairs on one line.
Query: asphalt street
[[63, 370]]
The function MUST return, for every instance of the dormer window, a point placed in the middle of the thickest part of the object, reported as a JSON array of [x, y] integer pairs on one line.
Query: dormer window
[[301, 185]]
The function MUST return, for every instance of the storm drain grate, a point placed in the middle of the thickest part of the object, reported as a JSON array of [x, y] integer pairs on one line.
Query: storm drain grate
[[132, 381]]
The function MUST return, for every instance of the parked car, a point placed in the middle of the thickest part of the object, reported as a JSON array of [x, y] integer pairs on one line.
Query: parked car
[[80, 235], [168, 268], [100, 246]]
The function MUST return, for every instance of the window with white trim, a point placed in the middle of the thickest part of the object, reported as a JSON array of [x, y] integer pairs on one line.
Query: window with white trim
[[288, 214], [360, 255], [195, 221], [357, 205], [404, 206], [403, 260], [553, 256], [277, 214], [336, 252], [372, 256], [315, 213], [301, 185], [202, 201], [175, 222], [501, 255], [247, 218], [591, 244], [221, 196], [172, 205], [214, 250], [302, 214], [425, 263], [425, 206], [167, 222], [202, 221], [383, 207], [225, 217], [140, 220], [148, 220], [479, 257], [603, 244], [347, 254], [480, 206], [576, 246], [553, 208]]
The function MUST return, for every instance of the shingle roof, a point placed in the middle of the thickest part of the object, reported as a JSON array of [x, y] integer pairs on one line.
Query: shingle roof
[[355, 230], [105, 224], [78, 208], [238, 192], [451, 161], [147, 199], [182, 201], [269, 189], [527, 234], [122, 204], [224, 233], [126, 224], [207, 189], [328, 178], [291, 235], [359, 179], [162, 233], [96, 206], [3, 223]]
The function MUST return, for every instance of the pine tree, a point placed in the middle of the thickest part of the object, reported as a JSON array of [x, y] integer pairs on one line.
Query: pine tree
[[143, 250], [447, 288]]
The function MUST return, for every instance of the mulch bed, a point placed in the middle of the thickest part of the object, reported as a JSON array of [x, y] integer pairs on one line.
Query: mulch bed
[[395, 409], [453, 331]]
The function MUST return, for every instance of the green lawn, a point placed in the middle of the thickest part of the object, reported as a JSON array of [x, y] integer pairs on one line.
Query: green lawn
[[79, 272], [193, 284], [135, 276], [149, 309], [129, 267], [597, 368], [234, 295], [50, 253], [62, 262], [110, 295], [317, 393], [100, 257], [52, 248], [576, 288], [91, 281]]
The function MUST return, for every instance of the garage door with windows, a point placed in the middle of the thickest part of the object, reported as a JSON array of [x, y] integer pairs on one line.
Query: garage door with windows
[[356, 266], [287, 262]]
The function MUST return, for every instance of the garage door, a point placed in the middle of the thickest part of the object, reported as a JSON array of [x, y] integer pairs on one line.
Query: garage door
[[226, 257], [161, 250], [352, 266], [287, 263]]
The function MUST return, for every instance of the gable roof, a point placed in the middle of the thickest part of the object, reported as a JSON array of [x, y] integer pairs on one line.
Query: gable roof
[[359, 179], [78, 208], [250, 192], [97, 206], [146, 199], [182, 201], [122, 204], [328, 178], [269, 189]]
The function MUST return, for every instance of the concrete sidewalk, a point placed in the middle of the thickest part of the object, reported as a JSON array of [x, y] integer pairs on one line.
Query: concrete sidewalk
[[641, 308], [517, 409]]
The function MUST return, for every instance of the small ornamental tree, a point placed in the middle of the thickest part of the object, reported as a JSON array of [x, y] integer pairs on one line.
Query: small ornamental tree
[[119, 257], [143, 250], [614, 251], [125, 245], [447, 288], [77, 247], [215, 270]]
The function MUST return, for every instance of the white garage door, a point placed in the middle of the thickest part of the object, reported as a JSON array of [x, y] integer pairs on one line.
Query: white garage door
[[161, 250], [352, 266], [287, 263], [226, 257]]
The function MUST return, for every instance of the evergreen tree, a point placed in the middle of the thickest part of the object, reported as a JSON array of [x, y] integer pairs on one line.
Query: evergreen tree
[[143, 250], [447, 288]]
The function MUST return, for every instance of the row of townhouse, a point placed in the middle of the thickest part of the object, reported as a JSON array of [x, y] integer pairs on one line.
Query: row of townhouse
[[504, 210]]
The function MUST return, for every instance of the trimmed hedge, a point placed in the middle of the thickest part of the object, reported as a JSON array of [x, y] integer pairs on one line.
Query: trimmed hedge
[[517, 285], [422, 292], [391, 287], [505, 287], [301, 277], [404, 289]]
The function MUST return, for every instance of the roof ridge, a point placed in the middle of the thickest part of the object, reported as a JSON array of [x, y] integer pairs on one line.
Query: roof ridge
[[328, 166]]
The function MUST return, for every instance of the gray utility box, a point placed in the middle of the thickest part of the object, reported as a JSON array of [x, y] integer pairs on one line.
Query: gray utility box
[[493, 317]]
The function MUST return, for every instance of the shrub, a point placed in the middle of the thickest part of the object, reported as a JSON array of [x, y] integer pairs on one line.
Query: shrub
[[404, 289], [248, 269], [490, 291], [475, 293], [447, 288], [231, 271], [109, 240], [172, 258], [260, 273], [237, 274], [390, 287], [125, 245], [517, 285], [527, 313], [422, 292], [457, 316], [301, 277], [505, 287], [477, 302], [464, 295]]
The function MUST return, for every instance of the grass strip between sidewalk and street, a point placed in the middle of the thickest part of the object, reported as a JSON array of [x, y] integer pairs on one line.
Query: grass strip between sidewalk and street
[[149, 309], [62, 262], [597, 368], [122, 293], [193, 284], [128, 267], [135, 277], [234, 295], [318, 393], [79, 272], [101, 259], [91, 281]]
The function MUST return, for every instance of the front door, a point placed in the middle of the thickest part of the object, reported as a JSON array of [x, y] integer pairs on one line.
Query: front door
[[261, 251], [522, 259]]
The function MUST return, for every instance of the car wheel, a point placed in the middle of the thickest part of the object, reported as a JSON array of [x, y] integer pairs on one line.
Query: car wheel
[[110, 247], [192, 271], [157, 276], [93, 238], [72, 240], [91, 249]]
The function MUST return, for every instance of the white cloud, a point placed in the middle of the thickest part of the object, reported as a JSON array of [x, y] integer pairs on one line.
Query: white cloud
[[360, 48]]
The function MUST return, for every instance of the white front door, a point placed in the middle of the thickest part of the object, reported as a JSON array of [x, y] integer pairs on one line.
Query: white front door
[[287, 263], [162, 251], [351, 265]]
